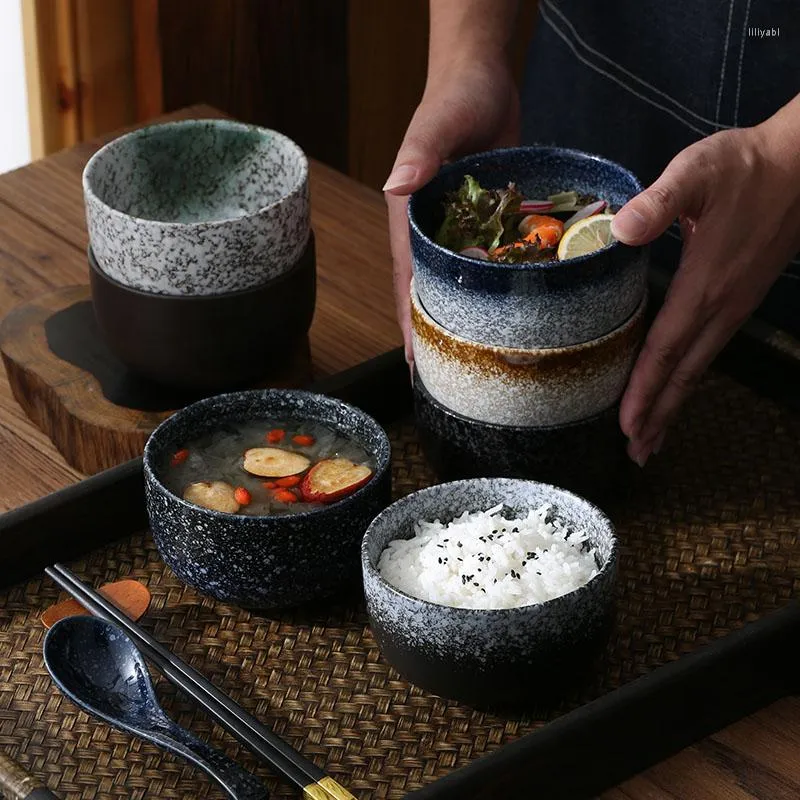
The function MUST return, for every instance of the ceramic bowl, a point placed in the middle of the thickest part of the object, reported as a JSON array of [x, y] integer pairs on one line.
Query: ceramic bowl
[[585, 457], [197, 207], [495, 659], [509, 386], [206, 342], [265, 561], [549, 304]]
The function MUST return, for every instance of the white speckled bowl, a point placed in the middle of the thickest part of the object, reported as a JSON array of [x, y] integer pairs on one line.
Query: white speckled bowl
[[504, 659], [197, 207], [510, 386]]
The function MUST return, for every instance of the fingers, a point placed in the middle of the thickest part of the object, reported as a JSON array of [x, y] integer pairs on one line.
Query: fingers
[[680, 384], [678, 190], [401, 259], [432, 136], [675, 327]]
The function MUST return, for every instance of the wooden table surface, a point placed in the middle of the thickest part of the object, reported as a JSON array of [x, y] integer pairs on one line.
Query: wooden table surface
[[42, 246]]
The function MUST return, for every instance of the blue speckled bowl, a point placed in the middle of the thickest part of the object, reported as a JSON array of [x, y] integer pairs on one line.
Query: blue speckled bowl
[[509, 659], [550, 304], [269, 561], [586, 457], [197, 207]]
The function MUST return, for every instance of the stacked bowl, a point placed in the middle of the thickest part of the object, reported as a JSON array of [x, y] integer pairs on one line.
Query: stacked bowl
[[519, 367], [201, 254]]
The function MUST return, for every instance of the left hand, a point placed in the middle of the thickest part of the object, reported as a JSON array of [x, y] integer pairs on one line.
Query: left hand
[[737, 196]]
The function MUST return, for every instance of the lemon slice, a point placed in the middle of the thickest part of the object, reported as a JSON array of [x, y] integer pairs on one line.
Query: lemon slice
[[586, 236]]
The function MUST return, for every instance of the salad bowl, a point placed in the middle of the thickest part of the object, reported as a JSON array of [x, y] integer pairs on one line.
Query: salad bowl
[[536, 304]]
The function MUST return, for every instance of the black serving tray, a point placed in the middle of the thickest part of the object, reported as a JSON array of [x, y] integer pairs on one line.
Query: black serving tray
[[582, 752]]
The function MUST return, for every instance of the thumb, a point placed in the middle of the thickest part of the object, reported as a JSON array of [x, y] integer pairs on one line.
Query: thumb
[[431, 138], [678, 190]]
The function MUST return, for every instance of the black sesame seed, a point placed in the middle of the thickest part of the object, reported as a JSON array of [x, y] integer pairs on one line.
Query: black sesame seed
[[440, 560], [515, 530], [475, 583]]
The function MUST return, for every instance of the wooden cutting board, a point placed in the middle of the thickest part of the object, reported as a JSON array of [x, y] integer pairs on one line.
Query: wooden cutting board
[[75, 390]]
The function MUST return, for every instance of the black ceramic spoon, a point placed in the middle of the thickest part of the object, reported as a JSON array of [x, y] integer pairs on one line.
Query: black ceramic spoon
[[97, 666]]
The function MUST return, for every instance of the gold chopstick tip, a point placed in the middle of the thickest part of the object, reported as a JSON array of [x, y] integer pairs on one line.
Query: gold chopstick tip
[[327, 789]]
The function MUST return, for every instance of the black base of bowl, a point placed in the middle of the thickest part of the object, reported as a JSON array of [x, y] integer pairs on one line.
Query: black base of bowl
[[584, 457], [507, 687], [207, 342]]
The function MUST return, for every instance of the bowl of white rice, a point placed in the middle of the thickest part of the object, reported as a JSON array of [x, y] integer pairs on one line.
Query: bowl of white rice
[[497, 592]]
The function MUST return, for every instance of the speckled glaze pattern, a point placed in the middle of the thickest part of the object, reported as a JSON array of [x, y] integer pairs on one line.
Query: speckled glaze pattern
[[265, 562], [97, 666], [586, 457], [493, 659], [507, 386], [551, 304], [197, 207]]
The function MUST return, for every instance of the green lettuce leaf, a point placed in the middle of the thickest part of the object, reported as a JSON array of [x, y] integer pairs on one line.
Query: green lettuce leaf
[[477, 217]]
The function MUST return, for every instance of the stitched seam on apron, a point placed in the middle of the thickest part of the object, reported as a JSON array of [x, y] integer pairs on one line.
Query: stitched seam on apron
[[741, 59], [547, 6], [724, 59]]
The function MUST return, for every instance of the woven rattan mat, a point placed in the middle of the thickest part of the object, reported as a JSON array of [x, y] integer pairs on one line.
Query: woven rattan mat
[[709, 541]]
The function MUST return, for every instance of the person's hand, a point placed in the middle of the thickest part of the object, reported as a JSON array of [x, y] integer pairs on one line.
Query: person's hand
[[737, 196], [473, 108]]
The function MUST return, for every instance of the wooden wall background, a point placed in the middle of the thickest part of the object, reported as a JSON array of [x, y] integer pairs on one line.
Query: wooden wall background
[[341, 77]]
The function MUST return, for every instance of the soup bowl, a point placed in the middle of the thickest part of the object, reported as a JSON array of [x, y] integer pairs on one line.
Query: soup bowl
[[533, 305], [269, 561], [498, 659], [197, 207]]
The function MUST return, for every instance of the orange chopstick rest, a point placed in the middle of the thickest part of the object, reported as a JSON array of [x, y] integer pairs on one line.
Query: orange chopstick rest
[[129, 596]]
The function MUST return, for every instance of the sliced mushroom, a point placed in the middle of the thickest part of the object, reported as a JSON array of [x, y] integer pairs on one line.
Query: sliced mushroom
[[216, 495], [272, 462]]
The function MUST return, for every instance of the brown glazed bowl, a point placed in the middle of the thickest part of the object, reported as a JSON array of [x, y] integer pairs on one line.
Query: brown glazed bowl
[[206, 342], [524, 387]]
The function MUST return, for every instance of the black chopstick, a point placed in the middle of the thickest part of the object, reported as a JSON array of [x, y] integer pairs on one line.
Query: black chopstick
[[243, 725]]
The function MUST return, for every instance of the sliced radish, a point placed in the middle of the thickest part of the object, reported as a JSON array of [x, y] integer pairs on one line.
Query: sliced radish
[[272, 462], [535, 206], [333, 479], [586, 211], [476, 252], [216, 495]]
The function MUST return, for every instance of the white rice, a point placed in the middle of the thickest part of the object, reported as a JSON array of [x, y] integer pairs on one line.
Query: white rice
[[482, 560]]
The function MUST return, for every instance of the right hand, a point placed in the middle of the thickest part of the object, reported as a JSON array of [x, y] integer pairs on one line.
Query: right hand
[[469, 109]]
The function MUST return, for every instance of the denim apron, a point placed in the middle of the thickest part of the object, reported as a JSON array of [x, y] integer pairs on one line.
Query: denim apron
[[637, 81]]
